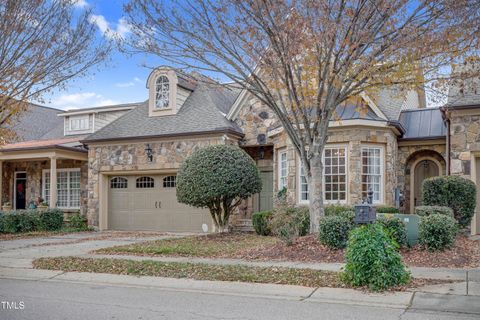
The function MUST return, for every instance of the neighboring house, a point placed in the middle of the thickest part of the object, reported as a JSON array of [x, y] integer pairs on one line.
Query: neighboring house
[[118, 164]]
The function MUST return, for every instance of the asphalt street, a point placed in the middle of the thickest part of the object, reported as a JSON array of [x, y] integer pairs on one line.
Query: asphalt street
[[31, 299]]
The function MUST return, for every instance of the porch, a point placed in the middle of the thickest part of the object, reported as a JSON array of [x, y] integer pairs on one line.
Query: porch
[[52, 170]]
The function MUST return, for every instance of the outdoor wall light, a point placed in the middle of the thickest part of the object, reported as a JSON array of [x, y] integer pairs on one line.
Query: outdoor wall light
[[149, 152]]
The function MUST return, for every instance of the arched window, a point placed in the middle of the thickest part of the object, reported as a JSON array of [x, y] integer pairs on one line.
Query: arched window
[[170, 182], [162, 93], [119, 183], [145, 182]]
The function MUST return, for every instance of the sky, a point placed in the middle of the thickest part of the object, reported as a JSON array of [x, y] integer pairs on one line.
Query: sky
[[122, 80]]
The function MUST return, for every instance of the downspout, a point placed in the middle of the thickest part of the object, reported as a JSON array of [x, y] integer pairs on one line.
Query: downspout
[[446, 120]]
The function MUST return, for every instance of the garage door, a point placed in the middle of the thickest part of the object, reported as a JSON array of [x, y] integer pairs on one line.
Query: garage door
[[149, 202]]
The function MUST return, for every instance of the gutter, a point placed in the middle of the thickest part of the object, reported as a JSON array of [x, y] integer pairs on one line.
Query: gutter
[[446, 119], [218, 131]]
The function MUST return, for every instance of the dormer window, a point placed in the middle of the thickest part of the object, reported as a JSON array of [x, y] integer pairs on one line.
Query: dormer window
[[162, 93], [79, 123]]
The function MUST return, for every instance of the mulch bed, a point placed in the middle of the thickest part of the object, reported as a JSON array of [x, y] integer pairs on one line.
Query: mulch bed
[[464, 254]]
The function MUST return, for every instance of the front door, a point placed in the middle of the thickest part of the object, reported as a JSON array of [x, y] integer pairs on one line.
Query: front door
[[266, 195], [423, 170], [20, 190]]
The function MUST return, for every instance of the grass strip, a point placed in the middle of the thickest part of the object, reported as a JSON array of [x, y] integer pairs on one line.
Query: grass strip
[[195, 246], [197, 271]]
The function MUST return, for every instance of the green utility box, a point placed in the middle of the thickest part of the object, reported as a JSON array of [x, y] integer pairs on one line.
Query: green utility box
[[411, 221]]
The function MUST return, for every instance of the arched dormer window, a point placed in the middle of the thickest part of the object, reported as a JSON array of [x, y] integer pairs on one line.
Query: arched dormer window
[[162, 92]]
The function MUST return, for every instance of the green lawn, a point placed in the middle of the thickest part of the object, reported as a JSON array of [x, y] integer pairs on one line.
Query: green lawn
[[211, 246], [197, 271]]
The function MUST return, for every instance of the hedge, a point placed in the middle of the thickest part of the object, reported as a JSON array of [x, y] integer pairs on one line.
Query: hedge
[[31, 220], [334, 230], [454, 192], [335, 209], [383, 209], [288, 223], [396, 228], [437, 232], [429, 210]]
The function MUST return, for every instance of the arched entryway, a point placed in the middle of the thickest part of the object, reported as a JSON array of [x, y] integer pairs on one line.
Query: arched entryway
[[420, 166], [422, 169]]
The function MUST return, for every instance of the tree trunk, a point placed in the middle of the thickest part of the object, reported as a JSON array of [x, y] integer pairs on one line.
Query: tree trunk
[[315, 190]]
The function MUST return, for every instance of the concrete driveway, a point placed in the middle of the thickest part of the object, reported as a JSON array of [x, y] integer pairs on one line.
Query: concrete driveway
[[20, 253]]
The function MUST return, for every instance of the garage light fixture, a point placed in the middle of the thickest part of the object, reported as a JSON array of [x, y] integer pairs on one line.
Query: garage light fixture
[[149, 152]]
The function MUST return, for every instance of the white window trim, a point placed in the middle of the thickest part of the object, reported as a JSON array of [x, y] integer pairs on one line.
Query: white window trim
[[382, 170], [347, 176], [279, 161], [81, 117], [47, 171]]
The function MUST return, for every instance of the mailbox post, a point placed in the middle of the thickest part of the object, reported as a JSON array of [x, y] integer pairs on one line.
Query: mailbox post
[[366, 213]]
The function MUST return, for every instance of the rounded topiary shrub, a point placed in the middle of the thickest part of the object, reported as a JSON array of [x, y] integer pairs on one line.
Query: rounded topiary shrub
[[454, 192], [429, 210], [261, 223], [437, 232], [333, 231], [372, 259], [396, 229], [217, 178]]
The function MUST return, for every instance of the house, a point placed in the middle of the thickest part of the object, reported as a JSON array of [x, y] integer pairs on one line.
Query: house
[[117, 164]]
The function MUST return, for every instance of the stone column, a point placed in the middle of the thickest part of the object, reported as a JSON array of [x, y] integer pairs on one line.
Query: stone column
[[1, 184], [53, 182]]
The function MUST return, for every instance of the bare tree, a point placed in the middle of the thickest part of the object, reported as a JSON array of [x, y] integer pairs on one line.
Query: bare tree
[[43, 44], [302, 58]]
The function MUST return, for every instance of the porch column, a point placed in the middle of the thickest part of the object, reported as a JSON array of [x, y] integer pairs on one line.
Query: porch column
[[53, 182], [1, 183]]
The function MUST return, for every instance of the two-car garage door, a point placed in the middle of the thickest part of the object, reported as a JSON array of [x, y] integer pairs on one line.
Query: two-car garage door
[[149, 202]]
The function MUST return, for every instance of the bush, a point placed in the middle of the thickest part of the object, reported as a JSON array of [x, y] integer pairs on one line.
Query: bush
[[261, 221], [396, 228], [454, 192], [382, 209], [437, 231], [335, 209], [333, 231], [372, 259], [78, 222], [429, 210], [31, 220], [216, 177], [288, 223], [50, 220]]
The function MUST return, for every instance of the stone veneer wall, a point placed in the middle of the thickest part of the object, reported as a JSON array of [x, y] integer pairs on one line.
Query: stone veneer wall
[[465, 137], [34, 171], [407, 155], [354, 138], [131, 157]]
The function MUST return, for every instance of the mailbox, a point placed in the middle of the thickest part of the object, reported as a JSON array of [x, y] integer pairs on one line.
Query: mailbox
[[366, 213]]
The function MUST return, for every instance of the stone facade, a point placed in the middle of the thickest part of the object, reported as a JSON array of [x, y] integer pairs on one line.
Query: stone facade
[[410, 154], [465, 138], [354, 138], [34, 171], [122, 158]]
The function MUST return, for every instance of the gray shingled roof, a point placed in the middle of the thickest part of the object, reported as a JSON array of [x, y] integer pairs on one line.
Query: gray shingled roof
[[36, 122], [467, 94], [426, 123], [390, 101], [203, 111], [351, 111]]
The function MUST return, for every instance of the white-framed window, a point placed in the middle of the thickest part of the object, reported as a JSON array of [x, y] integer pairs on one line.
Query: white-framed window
[[79, 123], [304, 195], [372, 172], [335, 174], [282, 170], [68, 188], [162, 92], [335, 177]]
